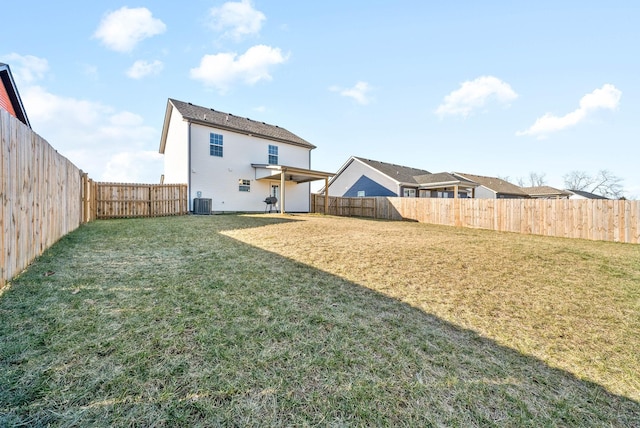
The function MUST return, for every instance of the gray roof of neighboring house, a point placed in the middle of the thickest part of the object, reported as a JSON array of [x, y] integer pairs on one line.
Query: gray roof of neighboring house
[[403, 174], [545, 191], [586, 194], [443, 177], [498, 185], [243, 125]]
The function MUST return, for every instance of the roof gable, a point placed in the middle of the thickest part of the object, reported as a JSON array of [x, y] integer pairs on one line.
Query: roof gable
[[227, 121], [496, 184], [443, 178], [399, 173], [12, 103]]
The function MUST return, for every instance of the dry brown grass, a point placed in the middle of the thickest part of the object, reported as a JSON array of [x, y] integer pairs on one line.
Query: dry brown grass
[[301, 321], [573, 304]]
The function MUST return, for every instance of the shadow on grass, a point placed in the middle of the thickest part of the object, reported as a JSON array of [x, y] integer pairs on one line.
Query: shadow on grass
[[168, 322]]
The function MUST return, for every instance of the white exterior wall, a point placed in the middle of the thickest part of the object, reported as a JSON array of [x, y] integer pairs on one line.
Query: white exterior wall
[[484, 193], [353, 172], [217, 177], [176, 151], [576, 196]]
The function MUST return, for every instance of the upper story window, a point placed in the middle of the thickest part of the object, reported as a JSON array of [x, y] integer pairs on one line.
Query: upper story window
[[273, 155], [215, 144]]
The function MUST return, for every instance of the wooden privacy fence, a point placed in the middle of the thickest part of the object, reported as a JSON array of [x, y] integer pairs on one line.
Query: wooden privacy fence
[[44, 196], [118, 200], [40, 195], [595, 219]]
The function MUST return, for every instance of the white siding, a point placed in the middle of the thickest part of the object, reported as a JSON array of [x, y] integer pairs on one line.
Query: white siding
[[217, 177], [353, 172], [176, 151], [484, 193]]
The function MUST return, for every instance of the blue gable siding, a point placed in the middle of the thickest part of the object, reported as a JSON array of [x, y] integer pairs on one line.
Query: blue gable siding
[[370, 187]]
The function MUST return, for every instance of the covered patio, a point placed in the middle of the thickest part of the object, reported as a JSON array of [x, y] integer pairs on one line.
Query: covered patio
[[442, 183], [284, 173]]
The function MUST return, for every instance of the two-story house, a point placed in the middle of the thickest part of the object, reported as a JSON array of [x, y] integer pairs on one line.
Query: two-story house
[[234, 161]]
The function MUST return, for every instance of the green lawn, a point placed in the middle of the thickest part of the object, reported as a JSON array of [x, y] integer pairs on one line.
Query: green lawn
[[320, 321]]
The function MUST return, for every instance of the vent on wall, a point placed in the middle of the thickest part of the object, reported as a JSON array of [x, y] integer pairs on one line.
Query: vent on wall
[[202, 206]]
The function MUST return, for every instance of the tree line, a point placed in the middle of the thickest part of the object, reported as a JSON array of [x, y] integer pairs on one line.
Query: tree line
[[603, 183]]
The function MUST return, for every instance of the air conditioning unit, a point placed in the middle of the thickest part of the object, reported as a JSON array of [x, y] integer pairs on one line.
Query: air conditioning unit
[[202, 206]]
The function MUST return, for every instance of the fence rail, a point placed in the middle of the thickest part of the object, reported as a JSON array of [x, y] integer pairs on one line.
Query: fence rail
[[597, 219], [119, 200]]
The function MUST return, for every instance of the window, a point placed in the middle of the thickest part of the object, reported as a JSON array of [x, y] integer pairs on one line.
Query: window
[[409, 193], [244, 185], [215, 145], [361, 193], [273, 155]]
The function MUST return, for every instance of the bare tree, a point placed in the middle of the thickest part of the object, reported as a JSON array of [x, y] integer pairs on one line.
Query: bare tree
[[534, 180], [577, 180], [603, 183]]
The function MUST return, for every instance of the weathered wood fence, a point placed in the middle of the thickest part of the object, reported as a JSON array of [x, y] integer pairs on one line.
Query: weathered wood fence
[[595, 219], [118, 200], [40, 194], [43, 196]]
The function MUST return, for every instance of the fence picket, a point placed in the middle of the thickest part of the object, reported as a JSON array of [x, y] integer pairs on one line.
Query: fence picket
[[604, 220]]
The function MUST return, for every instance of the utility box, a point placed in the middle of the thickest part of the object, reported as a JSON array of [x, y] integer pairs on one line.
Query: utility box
[[202, 206]]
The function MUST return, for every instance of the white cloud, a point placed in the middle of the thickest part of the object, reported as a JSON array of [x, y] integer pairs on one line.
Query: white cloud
[[26, 69], [94, 136], [359, 92], [123, 29], [142, 68], [474, 94], [237, 19], [130, 167], [97, 138], [223, 69], [607, 97]]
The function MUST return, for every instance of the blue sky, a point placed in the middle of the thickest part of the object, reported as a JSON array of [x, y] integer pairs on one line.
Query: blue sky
[[494, 88]]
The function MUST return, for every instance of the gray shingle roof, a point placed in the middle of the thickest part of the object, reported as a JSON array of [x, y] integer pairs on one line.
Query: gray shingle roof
[[443, 177], [498, 185], [586, 194], [243, 125], [545, 191], [403, 174]]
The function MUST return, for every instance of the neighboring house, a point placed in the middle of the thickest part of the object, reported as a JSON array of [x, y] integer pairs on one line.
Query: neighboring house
[[581, 194], [9, 96], [235, 161], [360, 177], [493, 187], [366, 177], [546, 192]]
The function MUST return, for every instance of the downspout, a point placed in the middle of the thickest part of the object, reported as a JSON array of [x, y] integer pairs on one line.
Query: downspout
[[189, 164]]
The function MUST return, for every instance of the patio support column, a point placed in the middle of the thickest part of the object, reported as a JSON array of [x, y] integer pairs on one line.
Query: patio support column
[[455, 192], [282, 191], [326, 196]]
